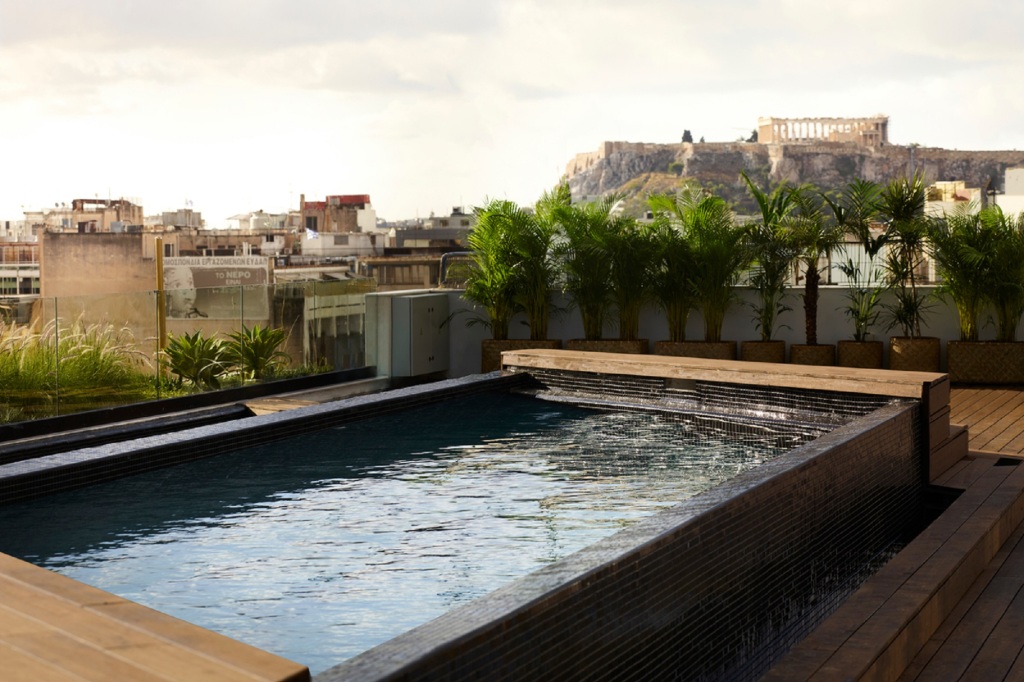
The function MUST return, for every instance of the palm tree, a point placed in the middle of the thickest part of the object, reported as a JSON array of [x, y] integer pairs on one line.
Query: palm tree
[[586, 263], [673, 285], [855, 211], [901, 206], [720, 254], [632, 250], [1007, 292], [964, 248], [773, 250], [817, 237], [491, 281]]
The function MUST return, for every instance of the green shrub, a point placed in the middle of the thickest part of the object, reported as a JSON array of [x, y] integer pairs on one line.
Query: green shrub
[[255, 352]]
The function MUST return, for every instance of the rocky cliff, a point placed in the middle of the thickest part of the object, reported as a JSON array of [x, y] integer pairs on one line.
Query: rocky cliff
[[629, 167]]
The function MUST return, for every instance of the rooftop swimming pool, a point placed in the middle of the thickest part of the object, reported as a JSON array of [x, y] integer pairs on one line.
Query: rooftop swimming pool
[[324, 545]]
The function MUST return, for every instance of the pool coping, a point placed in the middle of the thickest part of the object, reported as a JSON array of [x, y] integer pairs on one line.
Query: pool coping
[[44, 475]]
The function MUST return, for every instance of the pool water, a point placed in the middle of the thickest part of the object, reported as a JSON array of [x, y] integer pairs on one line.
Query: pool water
[[320, 547]]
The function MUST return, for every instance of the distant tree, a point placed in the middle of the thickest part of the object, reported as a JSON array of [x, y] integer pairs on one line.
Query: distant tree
[[753, 136], [687, 137], [702, 139]]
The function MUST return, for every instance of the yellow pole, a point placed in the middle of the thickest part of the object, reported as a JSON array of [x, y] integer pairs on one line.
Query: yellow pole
[[161, 302]]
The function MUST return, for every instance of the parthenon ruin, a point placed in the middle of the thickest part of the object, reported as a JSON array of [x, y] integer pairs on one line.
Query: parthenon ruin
[[869, 132]]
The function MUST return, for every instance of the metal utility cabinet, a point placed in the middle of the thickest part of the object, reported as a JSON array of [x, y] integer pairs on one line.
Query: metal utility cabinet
[[419, 342]]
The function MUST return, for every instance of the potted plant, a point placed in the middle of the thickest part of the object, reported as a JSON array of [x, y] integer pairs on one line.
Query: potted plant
[[816, 237], [864, 297], [511, 272], [773, 251], [980, 257], [632, 250], [719, 254], [855, 213], [671, 284], [586, 265], [901, 207]]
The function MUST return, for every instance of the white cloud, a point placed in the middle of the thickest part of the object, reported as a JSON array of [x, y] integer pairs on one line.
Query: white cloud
[[239, 105]]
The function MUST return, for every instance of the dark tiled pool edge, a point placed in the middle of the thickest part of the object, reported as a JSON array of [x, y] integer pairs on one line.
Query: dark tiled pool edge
[[719, 580], [77, 468]]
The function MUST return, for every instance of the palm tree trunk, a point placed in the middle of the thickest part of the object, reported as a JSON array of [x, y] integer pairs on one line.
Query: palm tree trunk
[[811, 305]]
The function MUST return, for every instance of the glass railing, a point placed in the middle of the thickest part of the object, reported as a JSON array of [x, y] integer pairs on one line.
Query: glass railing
[[63, 355]]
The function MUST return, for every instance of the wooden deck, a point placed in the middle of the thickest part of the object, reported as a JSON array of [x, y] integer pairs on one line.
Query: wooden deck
[[951, 605], [54, 629], [994, 417], [959, 590]]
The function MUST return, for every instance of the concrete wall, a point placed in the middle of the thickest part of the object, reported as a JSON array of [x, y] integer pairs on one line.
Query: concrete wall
[[90, 264]]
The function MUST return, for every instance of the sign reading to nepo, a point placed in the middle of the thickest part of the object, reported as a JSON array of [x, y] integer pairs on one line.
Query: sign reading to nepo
[[211, 286]]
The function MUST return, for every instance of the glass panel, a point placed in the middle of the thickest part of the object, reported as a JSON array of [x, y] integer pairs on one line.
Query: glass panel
[[336, 323], [28, 361], [88, 352]]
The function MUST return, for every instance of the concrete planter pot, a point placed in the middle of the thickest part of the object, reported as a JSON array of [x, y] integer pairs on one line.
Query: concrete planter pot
[[864, 354], [491, 350], [635, 347], [763, 351], [985, 362], [711, 350], [819, 354], [915, 354]]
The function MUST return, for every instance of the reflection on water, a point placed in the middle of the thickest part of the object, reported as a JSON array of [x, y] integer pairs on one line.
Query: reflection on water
[[320, 547]]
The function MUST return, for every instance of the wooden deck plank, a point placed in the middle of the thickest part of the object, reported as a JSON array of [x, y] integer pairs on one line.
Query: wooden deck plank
[[966, 401], [75, 657], [965, 473], [987, 427], [64, 625], [1003, 419], [17, 666], [1006, 424], [1001, 648], [1015, 446]]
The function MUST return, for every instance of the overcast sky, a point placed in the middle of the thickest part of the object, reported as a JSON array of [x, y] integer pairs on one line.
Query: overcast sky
[[238, 105]]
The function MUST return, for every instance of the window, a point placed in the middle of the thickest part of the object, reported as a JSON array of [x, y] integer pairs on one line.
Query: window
[[311, 223]]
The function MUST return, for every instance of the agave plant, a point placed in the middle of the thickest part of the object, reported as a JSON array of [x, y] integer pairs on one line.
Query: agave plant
[[256, 352], [199, 360]]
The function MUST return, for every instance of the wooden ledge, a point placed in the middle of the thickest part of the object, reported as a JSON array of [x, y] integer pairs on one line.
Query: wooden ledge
[[897, 384]]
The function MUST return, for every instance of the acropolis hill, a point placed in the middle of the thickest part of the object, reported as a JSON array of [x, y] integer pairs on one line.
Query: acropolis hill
[[826, 152]]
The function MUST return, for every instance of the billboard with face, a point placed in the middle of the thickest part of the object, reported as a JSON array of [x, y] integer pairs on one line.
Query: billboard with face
[[217, 287]]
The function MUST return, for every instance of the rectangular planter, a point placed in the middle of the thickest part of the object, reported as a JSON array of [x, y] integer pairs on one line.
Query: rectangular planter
[[763, 351], [711, 350], [635, 347], [863, 354], [491, 349], [914, 354], [986, 362], [822, 354]]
